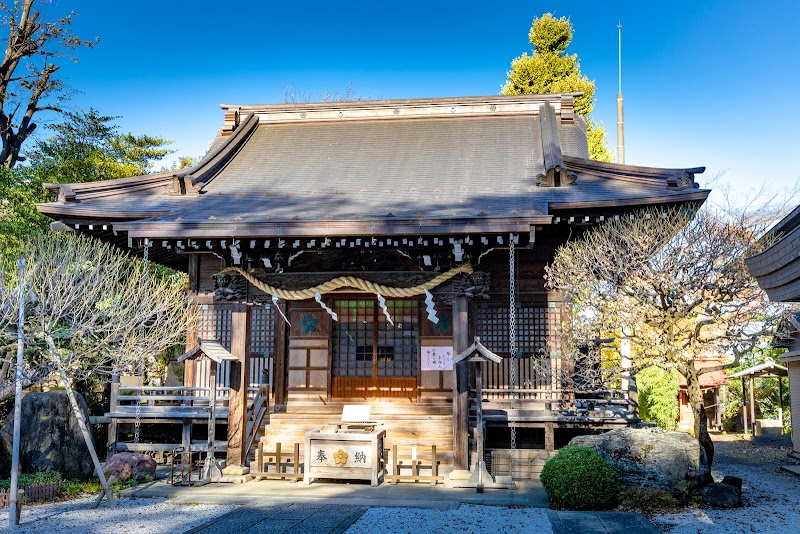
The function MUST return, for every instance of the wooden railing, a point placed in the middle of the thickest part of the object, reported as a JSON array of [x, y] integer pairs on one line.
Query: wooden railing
[[256, 412], [164, 400]]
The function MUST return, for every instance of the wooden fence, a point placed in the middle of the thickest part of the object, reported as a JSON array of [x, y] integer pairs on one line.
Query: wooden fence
[[34, 493]]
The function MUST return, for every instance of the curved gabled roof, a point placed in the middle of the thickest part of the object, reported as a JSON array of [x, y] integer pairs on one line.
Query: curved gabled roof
[[777, 268], [489, 163]]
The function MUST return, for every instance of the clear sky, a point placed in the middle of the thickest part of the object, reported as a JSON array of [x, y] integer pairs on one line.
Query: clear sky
[[710, 83]]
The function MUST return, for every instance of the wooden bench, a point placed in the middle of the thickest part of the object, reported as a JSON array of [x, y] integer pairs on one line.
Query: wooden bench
[[277, 458], [414, 458]]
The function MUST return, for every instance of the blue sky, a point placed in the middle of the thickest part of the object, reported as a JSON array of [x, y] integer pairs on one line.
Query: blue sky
[[706, 83]]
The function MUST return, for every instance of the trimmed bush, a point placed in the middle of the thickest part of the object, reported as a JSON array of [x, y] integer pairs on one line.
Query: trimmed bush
[[577, 478]]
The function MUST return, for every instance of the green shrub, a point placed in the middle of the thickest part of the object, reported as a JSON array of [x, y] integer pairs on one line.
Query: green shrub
[[648, 501], [35, 479], [658, 397], [577, 478]]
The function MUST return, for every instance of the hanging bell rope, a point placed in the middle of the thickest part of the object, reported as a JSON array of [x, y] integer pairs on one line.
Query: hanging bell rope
[[351, 281]]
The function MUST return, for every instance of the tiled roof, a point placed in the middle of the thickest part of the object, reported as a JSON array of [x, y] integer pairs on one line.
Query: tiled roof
[[372, 164]]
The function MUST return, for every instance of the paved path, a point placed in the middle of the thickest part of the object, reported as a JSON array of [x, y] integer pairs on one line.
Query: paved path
[[600, 522], [311, 518], [320, 518]]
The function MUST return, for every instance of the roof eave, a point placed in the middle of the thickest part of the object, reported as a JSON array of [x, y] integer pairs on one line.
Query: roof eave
[[155, 229]]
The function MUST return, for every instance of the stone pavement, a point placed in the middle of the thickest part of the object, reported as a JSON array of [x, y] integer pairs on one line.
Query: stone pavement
[[529, 493], [600, 522], [281, 506], [311, 518]]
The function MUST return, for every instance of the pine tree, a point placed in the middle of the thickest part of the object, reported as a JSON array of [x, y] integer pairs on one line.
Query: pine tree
[[551, 70]]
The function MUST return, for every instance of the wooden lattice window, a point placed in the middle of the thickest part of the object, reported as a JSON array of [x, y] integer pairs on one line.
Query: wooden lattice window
[[366, 344], [534, 323], [262, 343], [216, 324], [262, 330]]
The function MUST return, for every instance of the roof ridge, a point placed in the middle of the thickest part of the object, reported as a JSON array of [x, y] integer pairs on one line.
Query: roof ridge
[[401, 102]]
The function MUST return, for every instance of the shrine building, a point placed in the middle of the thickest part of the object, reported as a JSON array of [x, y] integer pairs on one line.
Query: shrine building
[[344, 252]]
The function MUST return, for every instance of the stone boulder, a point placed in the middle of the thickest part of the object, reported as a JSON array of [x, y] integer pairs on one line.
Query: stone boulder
[[126, 465], [652, 458], [51, 437], [722, 495]]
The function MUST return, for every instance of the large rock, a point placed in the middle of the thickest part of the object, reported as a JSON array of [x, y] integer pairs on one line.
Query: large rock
[[722, 495], [652, 458], [51, 437], [126, 465]]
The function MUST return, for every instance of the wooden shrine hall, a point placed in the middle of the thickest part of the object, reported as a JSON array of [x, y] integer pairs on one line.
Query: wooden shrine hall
[[348, 250]]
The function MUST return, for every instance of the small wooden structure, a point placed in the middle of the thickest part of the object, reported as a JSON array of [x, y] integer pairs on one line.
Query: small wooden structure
[[767, 369], [480, 477], [217, 355], [344, 454]]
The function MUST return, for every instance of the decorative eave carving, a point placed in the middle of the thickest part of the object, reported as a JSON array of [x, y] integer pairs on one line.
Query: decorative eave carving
[[556, 177]]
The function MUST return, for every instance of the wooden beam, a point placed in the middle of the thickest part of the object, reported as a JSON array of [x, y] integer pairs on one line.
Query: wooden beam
[[239, 381], [461, 384]]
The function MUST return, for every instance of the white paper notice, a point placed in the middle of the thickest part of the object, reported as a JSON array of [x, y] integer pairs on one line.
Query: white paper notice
[[437, 358]]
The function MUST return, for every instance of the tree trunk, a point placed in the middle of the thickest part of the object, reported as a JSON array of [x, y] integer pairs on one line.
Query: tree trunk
[[695, 398]]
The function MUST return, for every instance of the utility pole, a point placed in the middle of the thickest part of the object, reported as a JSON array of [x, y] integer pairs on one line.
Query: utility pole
[[620, 119]]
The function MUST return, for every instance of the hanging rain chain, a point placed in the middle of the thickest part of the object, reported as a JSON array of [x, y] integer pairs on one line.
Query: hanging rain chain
[[512, 346], [137, 425]]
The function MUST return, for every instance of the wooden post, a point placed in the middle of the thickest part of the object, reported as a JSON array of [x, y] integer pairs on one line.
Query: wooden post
[[549, 437], [461, 384], [718, 411], [14, 510], [239, 383], [279, 358], [752, 407], [745, 428], [85, 431], [212, 421], [113, 430], [479, 422], [780, 401]]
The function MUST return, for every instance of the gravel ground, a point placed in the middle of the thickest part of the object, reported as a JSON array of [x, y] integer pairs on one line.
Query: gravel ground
[[771, 496], [145, 516], [467, 518]]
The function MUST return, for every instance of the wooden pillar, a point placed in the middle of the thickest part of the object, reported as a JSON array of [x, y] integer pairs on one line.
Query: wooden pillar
[[752, 406], [549, 437], [190, 366], [745, 428], [239, 383], [780, 401], [718, 410], [279, 358], [461, 384], [186, 442], [113, 429]]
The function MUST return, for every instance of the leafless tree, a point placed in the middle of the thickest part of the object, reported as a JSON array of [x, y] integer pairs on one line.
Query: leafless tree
[[675, 284], [94, 309], [28, 80]]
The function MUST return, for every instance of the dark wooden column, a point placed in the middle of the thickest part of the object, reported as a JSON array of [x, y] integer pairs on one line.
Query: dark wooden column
[[191, 336], [280, 357], [239, 383], [461, 384]]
